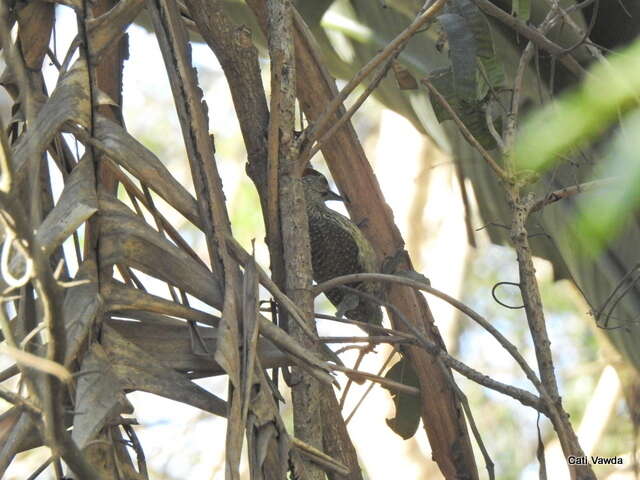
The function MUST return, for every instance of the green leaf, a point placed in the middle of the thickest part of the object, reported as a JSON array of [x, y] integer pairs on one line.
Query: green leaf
[[490, 71], [603, 213], [490, 75], [610, 90], [407, 418], [521, 9], [442, 80], [478, 25], [462, 53], [312, 11], [470, 113]]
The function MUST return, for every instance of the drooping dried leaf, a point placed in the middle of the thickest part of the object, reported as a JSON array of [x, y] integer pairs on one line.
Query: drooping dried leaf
[[228, 357], [8, 421], [81, 305], [264, 427], [105, 30], [126, 239], [143, 164], [267, 439], [157, 319], [119, 298], [470, 113], [172, 344], [110, 455], [99, 396], [141, 370], [491, 69], [406, 81], [477, 23], [76, 204], [75, 4], [462, 53], [35, 20], [69, 101], [250, 312], [258, 454]]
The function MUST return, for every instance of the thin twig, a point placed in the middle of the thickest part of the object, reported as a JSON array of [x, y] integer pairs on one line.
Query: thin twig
[[594, 50], [371, 339], [509, 134], [488, 117], [319, 457], [36, 473], [361, 354], [484, 323], [366, 393], [531, 34], [587, 32], [426, 13], [567, 192], [364, 325], [385, 382], [20, 401], [543, 403], [307, 155], [137, 447], [33, 361], [500, 302], [610, 299], [532, 300], [502, 174], [476, 433]]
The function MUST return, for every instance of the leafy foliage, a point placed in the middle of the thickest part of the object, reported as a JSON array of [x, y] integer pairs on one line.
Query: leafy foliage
[[83, 338], [405, 422]]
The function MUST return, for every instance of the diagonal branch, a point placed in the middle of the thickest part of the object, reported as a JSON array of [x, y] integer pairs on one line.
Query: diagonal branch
[[426, 14], [440, 407], [192, 113], [567, 192], [538, 38]]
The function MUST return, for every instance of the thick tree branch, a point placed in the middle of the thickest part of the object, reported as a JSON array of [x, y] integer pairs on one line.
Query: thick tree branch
[[441, 411], [282, 155]]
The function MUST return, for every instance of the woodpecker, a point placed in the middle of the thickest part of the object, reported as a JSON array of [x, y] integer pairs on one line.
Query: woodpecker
[[338, 247]]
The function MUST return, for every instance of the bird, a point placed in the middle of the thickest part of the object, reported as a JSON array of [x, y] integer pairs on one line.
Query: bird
[[338, 247]]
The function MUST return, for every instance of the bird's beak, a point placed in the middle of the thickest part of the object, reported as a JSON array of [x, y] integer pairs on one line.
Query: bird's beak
[[331, 195]]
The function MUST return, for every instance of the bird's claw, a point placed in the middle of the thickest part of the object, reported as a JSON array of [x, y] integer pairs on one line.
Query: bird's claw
[[392, 263]]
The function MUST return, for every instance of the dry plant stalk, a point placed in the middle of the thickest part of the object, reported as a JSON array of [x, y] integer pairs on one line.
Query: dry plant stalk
[[59, 326]]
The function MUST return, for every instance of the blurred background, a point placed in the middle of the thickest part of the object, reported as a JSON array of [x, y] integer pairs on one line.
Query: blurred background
[[421, 186]]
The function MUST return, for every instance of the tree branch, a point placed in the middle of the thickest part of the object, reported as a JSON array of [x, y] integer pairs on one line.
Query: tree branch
[[282, 155], [532, 35], [567, 192]]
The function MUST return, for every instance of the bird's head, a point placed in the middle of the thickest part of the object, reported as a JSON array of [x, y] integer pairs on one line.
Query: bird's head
[[316, 188]]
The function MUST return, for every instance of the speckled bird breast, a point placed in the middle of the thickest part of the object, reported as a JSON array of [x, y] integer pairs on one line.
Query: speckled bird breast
[[338, 248]]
